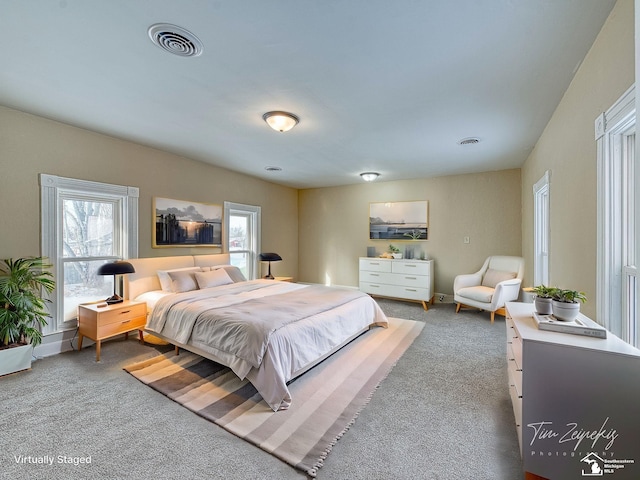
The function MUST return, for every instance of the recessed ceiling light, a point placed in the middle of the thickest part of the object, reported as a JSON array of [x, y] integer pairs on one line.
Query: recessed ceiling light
[[176, 40], [273, 169], [469, 141]]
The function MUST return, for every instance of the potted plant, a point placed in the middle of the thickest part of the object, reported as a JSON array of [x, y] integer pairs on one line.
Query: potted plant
[[566, 304], [394, 251], [543, 298], [23, 284]]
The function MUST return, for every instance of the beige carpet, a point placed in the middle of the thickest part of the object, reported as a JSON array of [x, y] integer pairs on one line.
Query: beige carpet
[[326, 399]]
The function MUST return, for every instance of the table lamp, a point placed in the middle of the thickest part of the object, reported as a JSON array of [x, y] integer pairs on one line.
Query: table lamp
[[119, 267], [269, 257]]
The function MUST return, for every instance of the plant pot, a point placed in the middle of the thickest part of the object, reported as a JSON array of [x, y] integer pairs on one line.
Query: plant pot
[[396, 255], [542, 305], [15, 359], [564, 311]]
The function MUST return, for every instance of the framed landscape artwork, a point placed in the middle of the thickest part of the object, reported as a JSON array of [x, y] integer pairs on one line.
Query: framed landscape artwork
[[399, 220], [177, 223]]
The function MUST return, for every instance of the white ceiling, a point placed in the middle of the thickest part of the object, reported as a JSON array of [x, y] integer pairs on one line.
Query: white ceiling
[[383, 85]]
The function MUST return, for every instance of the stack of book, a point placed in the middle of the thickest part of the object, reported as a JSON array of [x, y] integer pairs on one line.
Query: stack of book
[[580, 326]]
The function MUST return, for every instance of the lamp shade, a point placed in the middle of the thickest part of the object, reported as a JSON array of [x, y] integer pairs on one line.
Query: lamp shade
[[119, 267], [270, 257]]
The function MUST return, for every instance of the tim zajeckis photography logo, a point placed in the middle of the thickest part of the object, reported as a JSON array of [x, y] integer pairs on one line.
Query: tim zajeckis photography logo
[[50, 460], [569, 440]]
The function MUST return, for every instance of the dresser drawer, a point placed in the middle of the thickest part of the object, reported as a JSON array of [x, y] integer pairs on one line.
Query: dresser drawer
[[376, 277], [117, 316], [375, 265], [515, 377], [414, 268], [411, 293], [516, 401], [122, 325], [397, 279], [516, 349], [511, 330]]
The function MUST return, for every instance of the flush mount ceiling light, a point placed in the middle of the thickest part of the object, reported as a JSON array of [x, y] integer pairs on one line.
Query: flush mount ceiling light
[[281, 121], [469, 141], [369, 176], [175, 40], [273, 169]]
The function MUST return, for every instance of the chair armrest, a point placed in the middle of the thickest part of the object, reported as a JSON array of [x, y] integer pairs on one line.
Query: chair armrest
[[466, 280], [506, 291]]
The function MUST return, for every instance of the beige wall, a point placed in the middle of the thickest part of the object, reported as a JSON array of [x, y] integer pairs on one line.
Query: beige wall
[[334, 224], [568, 149], [30, 145], [330, 225]]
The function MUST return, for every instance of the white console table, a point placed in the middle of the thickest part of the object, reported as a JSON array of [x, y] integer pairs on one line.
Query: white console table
[[575, 399], [404, 279]]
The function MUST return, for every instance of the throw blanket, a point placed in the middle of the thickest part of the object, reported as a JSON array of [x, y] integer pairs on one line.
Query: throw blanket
[[239, 326]]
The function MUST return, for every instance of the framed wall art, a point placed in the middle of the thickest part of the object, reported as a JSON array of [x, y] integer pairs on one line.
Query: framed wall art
[[177, 223], [399, 220]]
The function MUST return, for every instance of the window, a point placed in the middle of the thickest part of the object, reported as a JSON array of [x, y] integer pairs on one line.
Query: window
[[617, 289], [541, 231], [84, 224], [243, 237]]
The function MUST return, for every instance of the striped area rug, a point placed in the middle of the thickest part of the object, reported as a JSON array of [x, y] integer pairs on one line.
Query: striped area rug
[[326, 399]]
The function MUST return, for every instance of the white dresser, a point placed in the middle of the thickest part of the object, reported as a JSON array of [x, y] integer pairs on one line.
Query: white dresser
[[575, 400], [405, 279]]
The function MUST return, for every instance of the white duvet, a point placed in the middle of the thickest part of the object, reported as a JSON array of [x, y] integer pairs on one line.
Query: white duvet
[[263, 330]]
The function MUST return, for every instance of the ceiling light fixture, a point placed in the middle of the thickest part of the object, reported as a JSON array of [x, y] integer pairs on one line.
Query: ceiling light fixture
[[369, 176], [281, 121], [469, 141]]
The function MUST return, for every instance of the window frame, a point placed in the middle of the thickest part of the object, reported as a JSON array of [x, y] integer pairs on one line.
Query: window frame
[[615, 192], [541, 223], [254, 213], [53, 191]]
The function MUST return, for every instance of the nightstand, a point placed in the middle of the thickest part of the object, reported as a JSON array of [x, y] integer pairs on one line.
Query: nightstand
[[284, 279], [98, 321]]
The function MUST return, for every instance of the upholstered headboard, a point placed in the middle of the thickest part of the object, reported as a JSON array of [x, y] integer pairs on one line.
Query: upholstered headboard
[[145, 279]]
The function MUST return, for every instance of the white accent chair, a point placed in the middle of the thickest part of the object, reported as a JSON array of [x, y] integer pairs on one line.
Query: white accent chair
[[497, 282]]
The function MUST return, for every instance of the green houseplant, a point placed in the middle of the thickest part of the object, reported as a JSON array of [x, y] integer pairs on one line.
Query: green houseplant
[[566, 304], [24, 282], [543, 299], [395, 251]]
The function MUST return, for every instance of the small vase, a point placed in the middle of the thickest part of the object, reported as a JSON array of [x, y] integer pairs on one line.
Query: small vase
[[543, 305]]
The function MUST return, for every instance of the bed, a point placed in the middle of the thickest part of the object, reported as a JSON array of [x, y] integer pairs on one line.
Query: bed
[[267, 331]]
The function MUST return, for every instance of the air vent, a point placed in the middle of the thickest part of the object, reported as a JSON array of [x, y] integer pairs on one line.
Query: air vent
[[273, 169], [175, 40], [469, 141]]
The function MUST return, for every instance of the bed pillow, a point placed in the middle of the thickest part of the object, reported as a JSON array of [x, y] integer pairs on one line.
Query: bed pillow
[[493, 277], [213, 278], [183, 281], [151, 298], [234, 272], [165, 280]]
